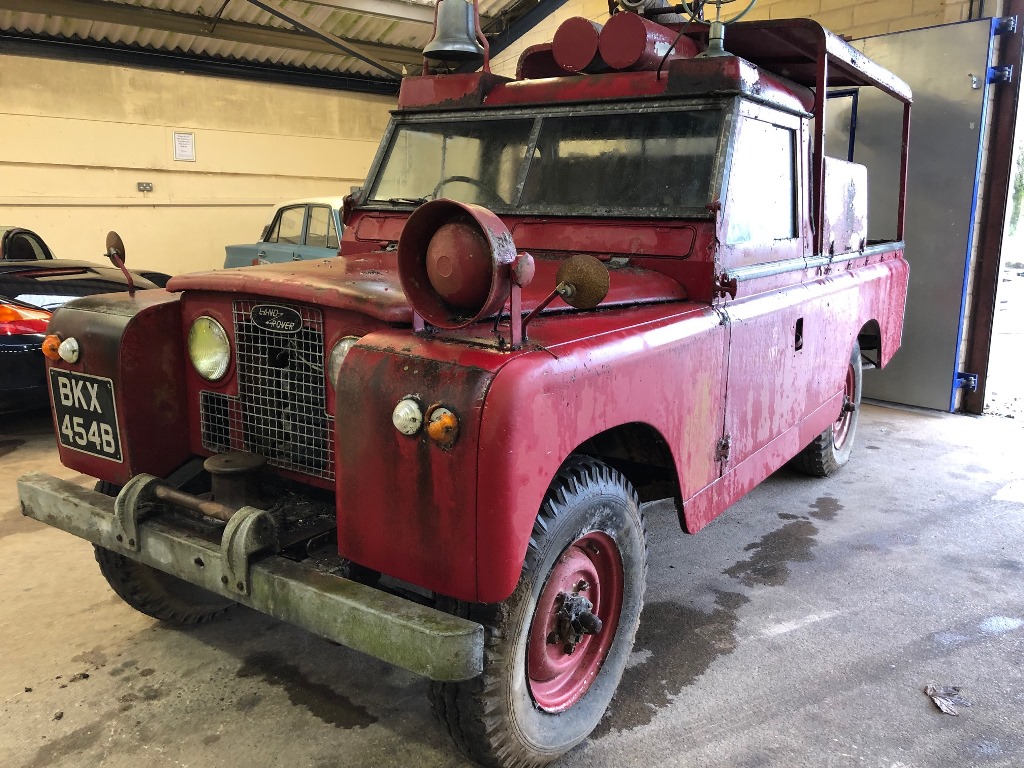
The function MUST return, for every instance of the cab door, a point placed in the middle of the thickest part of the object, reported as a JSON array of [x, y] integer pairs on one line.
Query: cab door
[[774, 337], [321, 241], [284, 240]]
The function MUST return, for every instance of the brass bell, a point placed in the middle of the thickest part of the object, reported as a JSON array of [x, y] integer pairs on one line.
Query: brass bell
[[455, 33]]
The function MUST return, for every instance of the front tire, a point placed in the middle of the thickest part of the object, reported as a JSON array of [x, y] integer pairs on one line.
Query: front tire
[[547, 681], [830, 450], [153, 592]]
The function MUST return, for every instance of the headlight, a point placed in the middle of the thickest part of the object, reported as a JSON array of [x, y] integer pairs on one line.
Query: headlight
[[338, 355], [209, 348]]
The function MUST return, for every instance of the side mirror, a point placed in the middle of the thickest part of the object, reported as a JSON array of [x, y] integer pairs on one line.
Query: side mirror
[[583, 281], [115, 252], [349, 202], [115, 247]]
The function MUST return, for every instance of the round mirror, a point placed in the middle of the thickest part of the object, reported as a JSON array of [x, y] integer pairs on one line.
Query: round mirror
[[588, 279], [115, 246]]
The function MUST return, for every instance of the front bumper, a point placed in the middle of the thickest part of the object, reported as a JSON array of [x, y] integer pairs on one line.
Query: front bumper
[[418, 638]]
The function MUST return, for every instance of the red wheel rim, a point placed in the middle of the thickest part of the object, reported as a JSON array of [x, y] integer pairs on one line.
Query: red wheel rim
[[841, 429], [558, 679]]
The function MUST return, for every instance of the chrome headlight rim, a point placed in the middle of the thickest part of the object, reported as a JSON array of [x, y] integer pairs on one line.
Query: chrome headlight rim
[[216, 364], [337, 357]]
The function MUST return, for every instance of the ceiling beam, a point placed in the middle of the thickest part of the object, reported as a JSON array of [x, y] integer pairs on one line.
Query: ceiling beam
[[200, 26], [399, 10], [124, 55], [344, 46]]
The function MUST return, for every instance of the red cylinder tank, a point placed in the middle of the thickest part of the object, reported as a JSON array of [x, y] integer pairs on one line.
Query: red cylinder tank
[[575, 45], [629, 41]]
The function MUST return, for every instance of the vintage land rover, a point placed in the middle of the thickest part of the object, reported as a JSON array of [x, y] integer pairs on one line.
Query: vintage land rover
[[630, 273]]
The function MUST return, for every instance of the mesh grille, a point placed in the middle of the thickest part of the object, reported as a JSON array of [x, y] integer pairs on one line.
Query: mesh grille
[[280, 409]]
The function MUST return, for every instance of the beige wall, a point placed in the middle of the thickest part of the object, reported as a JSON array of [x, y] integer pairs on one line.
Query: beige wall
[[75, 139], [853, 18]]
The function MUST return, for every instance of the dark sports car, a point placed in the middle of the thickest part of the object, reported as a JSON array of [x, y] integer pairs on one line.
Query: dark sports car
[[32, 285]]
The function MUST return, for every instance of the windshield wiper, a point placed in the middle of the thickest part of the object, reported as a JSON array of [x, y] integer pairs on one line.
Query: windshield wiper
[[404, 200]]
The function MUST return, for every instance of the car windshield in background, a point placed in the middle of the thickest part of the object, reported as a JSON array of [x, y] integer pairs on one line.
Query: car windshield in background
[[621, 162]]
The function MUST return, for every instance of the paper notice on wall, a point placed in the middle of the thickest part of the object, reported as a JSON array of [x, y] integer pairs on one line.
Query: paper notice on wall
[[185, 147]]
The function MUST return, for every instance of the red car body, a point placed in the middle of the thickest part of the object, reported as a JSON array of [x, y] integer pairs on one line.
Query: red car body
[[720, 348]]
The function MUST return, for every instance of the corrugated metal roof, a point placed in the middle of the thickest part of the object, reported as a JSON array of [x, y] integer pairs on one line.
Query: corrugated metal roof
[[212, 28]]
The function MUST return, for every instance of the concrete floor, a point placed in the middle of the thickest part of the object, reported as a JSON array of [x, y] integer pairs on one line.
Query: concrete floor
[[799, 629]]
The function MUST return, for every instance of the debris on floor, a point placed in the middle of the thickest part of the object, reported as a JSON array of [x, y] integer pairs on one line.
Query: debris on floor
[[947, 698]]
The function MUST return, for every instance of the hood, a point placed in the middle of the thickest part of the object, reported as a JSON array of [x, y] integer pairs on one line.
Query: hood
[[369, 284], [50, 284]]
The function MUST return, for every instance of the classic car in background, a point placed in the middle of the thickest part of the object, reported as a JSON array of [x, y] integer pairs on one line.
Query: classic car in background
[[300, 229], [32, 285]]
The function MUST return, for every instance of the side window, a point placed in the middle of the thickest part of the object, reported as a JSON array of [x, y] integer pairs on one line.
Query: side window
[[332, 233], [287, 227], [762, 184], [319, 227]]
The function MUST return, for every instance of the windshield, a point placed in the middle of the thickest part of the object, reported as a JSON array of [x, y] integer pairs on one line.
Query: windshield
[[625, 162]]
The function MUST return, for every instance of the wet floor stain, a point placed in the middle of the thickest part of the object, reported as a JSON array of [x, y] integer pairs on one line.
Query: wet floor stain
[[322, 701], [770, 558], [9, 446], [96, 657], [825, 508], [12, 522], [73, 743], [675, 644], [123, 667], [248, 702]]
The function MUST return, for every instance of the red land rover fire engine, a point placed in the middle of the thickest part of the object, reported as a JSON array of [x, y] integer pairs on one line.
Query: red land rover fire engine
[[630, 273]]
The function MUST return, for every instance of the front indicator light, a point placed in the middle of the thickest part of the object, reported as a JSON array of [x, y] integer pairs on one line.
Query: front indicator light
[[209, 348], [407, 416], [338, 355], [443, 426], [51, 345]]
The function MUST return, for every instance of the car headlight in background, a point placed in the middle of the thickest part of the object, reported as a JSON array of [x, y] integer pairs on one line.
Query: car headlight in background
[[338, 355], [209, 348]]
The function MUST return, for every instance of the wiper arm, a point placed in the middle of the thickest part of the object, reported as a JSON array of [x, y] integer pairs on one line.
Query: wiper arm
[[405, 200]]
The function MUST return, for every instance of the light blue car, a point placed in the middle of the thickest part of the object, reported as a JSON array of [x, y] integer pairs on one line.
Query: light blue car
[[301, 229]]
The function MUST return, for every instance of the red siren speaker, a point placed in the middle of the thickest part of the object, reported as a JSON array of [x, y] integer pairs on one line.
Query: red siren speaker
[[455, 263]]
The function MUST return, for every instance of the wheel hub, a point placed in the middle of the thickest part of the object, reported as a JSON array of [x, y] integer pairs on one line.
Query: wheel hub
[[841, 429], [575, 621], [575, 618]]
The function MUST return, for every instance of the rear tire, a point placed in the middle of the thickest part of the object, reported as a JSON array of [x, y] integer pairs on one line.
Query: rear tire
[[154, 592], [534, 702], [830, 450]]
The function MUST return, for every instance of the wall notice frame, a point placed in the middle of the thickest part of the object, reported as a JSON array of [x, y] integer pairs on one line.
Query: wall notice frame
[[185, 146]]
